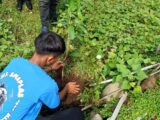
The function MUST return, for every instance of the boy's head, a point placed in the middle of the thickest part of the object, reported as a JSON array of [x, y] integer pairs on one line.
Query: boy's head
[[49, 45]]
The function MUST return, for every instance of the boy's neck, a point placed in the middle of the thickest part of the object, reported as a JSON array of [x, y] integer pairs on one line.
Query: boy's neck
[[37, 59]]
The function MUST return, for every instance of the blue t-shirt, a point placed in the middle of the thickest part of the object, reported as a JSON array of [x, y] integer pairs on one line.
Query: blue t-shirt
[[24, 87]]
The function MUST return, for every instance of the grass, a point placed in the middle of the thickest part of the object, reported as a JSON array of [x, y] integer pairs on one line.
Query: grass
[[144, 105], [26, 25]]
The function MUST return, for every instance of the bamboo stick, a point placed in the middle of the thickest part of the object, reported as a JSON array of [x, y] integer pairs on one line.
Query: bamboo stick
[[118, 107]]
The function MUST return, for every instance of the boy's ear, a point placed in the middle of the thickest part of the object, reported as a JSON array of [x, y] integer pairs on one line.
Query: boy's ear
[[51, 59]]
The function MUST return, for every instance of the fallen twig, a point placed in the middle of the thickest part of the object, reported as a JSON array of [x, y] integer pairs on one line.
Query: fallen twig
[[155, 72], [149, 67], [103, 82]]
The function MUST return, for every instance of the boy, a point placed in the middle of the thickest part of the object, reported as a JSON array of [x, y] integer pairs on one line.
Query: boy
[[25, 86]]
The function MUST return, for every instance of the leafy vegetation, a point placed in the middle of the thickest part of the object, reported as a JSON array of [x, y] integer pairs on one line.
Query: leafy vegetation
[[18, 31], [107, 109], [144, 105], [9, 46], [124, 39], [105, 39]]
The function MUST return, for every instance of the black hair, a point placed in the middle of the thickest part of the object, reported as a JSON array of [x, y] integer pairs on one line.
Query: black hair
[[50, 43]]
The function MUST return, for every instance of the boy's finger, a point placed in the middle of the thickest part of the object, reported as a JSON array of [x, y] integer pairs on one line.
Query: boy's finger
[[77, 85], [60, 62], [77, 89], [73, 83], [75, 92]]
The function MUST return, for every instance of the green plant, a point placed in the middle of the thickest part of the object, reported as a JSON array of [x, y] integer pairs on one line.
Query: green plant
[[144, 105], [9, 47], [122, 38], [107, 109]]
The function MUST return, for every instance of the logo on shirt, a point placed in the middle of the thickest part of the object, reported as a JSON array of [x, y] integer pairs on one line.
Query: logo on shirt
[[3, 94], [18, 92]]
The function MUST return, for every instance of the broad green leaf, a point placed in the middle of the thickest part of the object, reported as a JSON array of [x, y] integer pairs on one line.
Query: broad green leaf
[[111, 55], [132, 84], [141, 75], [106, 70], [137, 89], [131, 61], [136, 67], [112, 73], [75, 53], [131, 77], [134, 63], [127, 56], [100, 52], [125, 85], [112, 64], [126, 48], [123, 69], [146, 61], [119, 78]]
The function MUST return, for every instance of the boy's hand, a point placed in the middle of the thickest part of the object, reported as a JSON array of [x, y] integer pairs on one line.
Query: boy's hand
[[72, 88], [57, 65]]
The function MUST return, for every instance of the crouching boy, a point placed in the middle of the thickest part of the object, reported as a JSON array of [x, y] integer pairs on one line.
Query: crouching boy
[[26, 85]]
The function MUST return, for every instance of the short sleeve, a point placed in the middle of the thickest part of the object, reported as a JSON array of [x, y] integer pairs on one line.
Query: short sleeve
[[51, 97]]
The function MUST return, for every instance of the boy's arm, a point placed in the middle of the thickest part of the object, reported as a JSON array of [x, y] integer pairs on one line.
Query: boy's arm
[[71, 88]]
